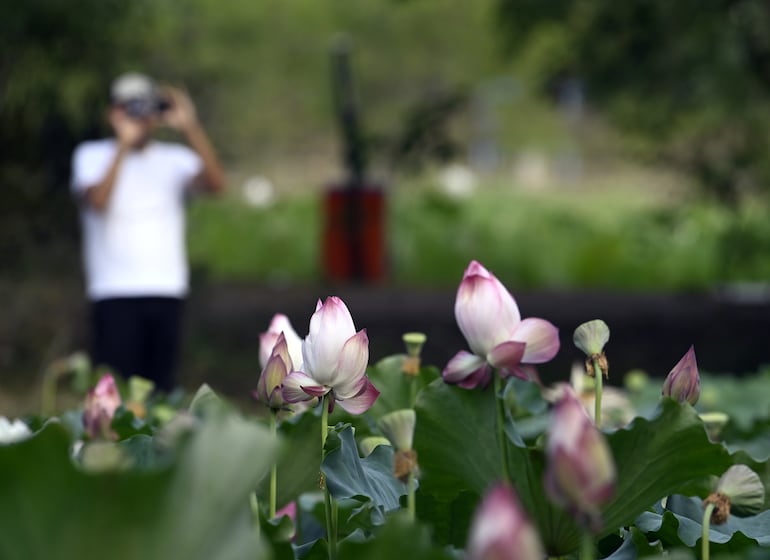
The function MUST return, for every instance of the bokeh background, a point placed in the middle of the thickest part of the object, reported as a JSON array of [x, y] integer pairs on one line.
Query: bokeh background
[[603, 159]]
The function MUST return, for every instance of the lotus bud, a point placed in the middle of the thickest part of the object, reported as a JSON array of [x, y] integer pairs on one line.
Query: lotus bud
[[277, 367], [101, 403], [683, 382], [369, 444], [591, 337], [335, 360], [500, 529], [580, 474], [414, 342], [739, 491], [398, 427], [267, 340]]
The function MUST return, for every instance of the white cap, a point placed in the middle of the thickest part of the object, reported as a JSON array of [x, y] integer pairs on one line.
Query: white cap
[[133, 86]]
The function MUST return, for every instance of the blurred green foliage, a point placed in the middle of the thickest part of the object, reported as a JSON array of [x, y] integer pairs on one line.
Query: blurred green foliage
[[688, 80], [544, 240]]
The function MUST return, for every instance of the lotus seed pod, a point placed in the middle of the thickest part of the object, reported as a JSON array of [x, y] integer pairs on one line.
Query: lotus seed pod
[[591, 337], [398, 427], [744, 488]]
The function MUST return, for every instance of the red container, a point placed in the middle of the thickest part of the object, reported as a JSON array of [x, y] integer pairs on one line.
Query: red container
[[354, 234]]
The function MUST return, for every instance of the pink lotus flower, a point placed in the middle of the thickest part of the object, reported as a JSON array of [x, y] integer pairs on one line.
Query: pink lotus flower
[[267, 340], [335, 361], [270, 383], [490, 320], [683, 382], [101, 403], [501, 531], [580, 474]]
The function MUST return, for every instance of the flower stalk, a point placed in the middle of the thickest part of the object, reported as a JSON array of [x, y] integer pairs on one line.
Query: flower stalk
[[705, 543], [598, 388], [591, 337], [254, 504], [410, 497], [587, 546], [501, 437], [330, 507], [274, 468]]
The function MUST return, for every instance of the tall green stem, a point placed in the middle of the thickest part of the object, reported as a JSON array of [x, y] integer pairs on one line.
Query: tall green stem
[[501, 437], [254, 504], [324, 422], [274, 468], [330, 506], [599, 378], [587, 546], [410, 498], [412, 391], [704, 541]]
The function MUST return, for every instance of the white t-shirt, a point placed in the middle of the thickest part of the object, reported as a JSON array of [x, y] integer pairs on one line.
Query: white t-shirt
[[136, 246]]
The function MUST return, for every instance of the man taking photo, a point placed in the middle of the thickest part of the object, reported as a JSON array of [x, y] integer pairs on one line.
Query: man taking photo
[[132, 192]]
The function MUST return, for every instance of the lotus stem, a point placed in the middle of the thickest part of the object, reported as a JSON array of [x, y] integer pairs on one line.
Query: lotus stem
[[587, 546], [598, 385], [501, 437], [410, 497], [254, 503], [705, 544], [412, 391], [274, 468], [330, 506]]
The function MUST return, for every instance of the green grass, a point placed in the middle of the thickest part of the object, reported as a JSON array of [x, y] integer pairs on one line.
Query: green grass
[[568, 237]]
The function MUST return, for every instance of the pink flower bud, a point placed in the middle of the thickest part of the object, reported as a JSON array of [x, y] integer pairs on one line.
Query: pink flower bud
[[270, 383], [335, 361], [267, 340], [101, 403], [498, 338], [501, 531], [580, 474], [683, 382]]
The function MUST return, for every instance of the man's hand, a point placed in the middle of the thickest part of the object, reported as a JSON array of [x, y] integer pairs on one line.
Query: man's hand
[[181, 114], [128, 131]]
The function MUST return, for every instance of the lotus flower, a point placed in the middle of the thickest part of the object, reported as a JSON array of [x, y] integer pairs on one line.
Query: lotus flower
[[267, 340], [498, 338], [101, 403], [335, 360], [580, 474], [277, 367], [683, 382], [501, 531]]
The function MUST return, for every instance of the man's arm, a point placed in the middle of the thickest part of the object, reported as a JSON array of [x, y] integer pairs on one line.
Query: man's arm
[[127, 132], [182, 116]]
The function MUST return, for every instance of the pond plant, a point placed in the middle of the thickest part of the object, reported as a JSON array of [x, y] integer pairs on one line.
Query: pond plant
[[342, 459]]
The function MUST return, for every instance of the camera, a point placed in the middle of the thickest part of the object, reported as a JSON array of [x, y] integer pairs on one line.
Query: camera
[[143, 108]]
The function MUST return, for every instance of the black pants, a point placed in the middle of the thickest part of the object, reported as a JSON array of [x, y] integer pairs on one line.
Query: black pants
[[138, 336]]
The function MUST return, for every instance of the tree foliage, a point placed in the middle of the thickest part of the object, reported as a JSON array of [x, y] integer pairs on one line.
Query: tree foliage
[[688, 80], [55, 61]]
